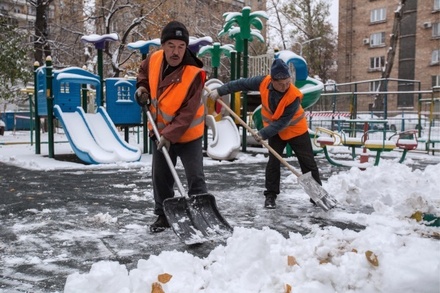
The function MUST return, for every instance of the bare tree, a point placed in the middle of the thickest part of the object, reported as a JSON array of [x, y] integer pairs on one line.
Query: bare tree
[[312, 35], [279, 24], [112, 16], [61, 24], [41, 43]]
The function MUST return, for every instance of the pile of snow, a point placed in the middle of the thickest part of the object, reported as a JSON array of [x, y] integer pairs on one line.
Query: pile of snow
[[394, 253]]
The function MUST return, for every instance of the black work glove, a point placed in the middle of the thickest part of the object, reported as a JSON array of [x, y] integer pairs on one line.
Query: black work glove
[[142, 96]]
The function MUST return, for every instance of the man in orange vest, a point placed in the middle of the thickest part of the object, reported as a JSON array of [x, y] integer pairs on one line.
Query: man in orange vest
[[171, 82], [284, 122]]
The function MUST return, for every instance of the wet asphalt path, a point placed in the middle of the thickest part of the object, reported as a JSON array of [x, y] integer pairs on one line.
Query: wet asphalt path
[[55, 223]]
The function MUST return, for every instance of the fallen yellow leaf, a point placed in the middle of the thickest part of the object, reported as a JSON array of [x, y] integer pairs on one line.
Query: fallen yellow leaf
[[164, 278], [372, 258], [156, 288], [324, 261], [288, 288], [291, 261], [418, 216]]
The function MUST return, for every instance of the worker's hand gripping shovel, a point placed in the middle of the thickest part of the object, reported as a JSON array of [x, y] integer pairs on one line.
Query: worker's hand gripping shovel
[[195, 219]]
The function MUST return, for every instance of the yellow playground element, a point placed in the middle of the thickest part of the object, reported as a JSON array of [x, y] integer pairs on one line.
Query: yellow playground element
[[213, 108]]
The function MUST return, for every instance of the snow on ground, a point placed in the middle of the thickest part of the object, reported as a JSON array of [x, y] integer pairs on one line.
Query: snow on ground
[[394, 253]]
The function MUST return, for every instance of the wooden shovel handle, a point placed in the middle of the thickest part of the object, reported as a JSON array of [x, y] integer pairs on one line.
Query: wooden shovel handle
[[166, 154], [265, 144]]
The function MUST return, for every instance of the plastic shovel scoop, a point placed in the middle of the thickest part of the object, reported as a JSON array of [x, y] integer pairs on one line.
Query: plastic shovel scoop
[[318, 194], [196, 219]]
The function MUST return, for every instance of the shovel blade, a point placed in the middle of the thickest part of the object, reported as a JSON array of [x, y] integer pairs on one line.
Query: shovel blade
[[196, 219], [318, 194]]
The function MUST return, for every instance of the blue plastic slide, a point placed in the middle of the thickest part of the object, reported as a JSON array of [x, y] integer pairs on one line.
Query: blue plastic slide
[[94, 138]]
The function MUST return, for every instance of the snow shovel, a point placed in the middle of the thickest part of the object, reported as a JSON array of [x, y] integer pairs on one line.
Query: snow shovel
[[195, 219], [318, 194]]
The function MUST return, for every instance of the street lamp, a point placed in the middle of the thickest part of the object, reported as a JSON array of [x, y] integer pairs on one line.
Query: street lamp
[[304, 43]]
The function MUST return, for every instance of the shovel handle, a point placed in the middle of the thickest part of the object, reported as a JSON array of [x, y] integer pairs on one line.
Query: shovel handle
[[165, 153], [265, 144]]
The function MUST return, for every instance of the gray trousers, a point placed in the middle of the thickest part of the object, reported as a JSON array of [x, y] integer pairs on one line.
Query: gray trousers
[[191, 156]]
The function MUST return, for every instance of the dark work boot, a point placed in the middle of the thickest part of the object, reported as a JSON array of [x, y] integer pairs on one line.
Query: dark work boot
[[269, 203], [160, 225], [312, 202]]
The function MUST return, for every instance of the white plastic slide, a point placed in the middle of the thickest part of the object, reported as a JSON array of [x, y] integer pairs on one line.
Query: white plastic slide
[[225, 144], [94, 138]]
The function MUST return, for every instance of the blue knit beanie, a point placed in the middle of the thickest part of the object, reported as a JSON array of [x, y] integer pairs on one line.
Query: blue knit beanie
[[279, 70]]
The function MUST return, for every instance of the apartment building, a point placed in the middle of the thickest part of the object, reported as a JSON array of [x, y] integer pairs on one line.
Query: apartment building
[[365, 34], [65, 22], [19, 13]]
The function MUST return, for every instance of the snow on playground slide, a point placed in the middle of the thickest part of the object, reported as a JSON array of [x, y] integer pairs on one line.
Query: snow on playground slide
[[106, 134], [225, 143], [94, 138]]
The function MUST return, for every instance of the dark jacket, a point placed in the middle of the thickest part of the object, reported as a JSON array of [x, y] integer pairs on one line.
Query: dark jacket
[[253, 84]]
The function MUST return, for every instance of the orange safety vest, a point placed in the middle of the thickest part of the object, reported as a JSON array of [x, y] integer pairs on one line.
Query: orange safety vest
[[298, 124], [165, 107]]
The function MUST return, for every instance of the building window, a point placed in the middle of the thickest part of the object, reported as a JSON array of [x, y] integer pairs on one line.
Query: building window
[[436, 30], [435, 57], [374, 86], [436, 5], [377, 39], [435, 80], [377, 63], [378, 15]]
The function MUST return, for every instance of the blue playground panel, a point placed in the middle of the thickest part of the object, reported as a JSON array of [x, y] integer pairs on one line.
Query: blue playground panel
[[41, 91], [22, 121], [67, 85], [120, 102], [67, 92]]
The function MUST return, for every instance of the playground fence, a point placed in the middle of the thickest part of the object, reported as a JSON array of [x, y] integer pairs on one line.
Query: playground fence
[[334, 108]]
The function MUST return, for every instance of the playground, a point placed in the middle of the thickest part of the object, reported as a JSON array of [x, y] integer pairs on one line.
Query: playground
[[92, 111]]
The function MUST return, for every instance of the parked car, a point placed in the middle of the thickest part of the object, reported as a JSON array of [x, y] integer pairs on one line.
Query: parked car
[[347, 126], [372, 125], [407, 121]]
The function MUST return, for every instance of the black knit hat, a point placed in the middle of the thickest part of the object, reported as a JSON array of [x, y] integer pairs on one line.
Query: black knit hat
[[279, 70], [174, 30]]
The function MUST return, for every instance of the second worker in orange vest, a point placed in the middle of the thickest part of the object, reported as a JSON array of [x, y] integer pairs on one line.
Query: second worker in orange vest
[[284, 122]]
